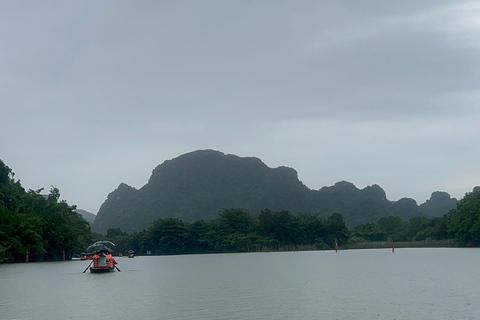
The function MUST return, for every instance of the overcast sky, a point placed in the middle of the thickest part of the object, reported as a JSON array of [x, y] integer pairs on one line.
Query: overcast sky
[[95, 93]]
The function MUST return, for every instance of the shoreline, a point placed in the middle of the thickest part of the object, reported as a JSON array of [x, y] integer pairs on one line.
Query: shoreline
[[450, 243]]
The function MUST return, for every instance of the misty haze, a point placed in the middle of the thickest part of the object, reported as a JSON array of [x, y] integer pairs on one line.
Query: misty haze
[[240, 160]]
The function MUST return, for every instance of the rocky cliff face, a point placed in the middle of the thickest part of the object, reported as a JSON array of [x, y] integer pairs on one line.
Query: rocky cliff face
[[198, 185]]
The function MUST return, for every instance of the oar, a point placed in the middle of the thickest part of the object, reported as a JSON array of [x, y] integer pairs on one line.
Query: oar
[[117, 267], [88, 266]]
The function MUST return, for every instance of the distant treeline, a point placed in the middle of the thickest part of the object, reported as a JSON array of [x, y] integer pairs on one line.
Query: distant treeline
[[236, 230], [49, 229], [41, 226]]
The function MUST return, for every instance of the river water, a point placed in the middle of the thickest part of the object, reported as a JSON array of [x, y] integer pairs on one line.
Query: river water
[[351, 284]]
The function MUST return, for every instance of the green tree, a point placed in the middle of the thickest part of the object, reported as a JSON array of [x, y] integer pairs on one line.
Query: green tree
[[336, 230], [370, 232], [45, 228], [390, 224], [312, 229], [281, 226], [236, 220], [54, 194], [199, 231], [464, 221], [413, 230], [6, 174]]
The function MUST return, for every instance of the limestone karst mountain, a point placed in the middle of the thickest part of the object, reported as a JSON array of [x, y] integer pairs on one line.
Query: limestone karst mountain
[[199, 184]]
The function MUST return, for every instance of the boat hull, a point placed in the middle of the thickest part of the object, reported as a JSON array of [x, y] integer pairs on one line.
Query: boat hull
[[101, 269]]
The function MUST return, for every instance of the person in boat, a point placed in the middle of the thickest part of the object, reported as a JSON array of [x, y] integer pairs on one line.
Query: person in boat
[[96, 258], [110, 260], [102, 261]]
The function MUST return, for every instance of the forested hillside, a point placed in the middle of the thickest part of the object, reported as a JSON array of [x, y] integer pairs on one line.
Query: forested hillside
[[236, 230], [48, 229], [200, 184]]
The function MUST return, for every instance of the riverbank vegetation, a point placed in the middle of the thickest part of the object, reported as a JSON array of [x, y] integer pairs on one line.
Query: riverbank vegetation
[[40, 227], [44, 228], [236, 230]]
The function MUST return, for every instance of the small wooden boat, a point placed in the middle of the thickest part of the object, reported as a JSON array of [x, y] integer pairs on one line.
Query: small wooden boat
[[102, 259], [102, 269], [101, 264]]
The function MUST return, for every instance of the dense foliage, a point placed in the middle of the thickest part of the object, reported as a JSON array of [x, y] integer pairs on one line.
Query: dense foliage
[[43, 226], [464, 221], [235, 230], [395, 229], [461, 224]]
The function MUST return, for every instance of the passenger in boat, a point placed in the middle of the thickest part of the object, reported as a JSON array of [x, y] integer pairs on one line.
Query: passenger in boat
[[102, 260], [96, 257], [110, 260]]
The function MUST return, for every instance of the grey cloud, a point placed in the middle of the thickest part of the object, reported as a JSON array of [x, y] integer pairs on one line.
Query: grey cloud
[[117, 87]]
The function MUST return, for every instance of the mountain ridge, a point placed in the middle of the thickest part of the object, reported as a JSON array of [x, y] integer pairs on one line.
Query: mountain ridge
[[199, 184], [90, 217]]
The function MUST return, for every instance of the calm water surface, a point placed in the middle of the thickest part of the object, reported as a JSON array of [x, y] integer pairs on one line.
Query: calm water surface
[[351, 284]]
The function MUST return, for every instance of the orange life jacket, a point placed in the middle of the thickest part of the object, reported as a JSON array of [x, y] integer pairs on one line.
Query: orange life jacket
[[95, 260], [109, 259]]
